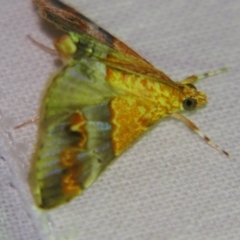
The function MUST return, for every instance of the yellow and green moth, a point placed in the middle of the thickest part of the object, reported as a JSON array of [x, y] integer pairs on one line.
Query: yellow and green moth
[[103, 99]]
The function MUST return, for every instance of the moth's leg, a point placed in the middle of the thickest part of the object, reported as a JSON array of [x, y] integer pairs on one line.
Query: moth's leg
[[195, 129], [195, 78], [43, 47], [27, 122], [65, 47]]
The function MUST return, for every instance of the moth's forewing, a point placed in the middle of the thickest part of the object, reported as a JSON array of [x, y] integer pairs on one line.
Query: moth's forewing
[[68, 19]]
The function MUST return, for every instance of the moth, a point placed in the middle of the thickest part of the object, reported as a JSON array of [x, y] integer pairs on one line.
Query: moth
[[103, 98]]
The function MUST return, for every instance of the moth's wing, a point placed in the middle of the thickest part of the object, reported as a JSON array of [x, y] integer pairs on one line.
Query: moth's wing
[[118, 60], [68, 19], [84, 126], [69, 144]]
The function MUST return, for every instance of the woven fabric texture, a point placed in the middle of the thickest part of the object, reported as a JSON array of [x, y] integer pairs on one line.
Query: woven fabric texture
[[170, 185]]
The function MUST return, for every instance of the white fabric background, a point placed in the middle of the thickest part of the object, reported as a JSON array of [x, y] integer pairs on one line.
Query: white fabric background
[[170, 185]]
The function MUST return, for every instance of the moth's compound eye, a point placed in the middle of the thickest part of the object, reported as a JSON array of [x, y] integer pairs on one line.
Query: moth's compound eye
[[191, 86], [189, 104]]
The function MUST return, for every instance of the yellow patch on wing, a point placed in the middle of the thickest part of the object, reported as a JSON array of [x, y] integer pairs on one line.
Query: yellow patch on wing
[[72, 170], [141, 102], [68, 157], [128, 121], [78, 124], [70, 184]]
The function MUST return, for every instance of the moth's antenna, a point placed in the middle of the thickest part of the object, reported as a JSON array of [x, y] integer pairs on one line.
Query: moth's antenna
[[195, 129], [195, 78]]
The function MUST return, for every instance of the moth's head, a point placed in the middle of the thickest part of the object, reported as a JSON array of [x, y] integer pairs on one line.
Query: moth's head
[[192, 98]]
